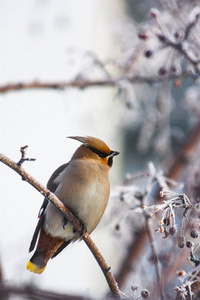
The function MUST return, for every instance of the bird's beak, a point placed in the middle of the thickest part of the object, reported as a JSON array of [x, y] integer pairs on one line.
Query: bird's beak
[[113, 153]]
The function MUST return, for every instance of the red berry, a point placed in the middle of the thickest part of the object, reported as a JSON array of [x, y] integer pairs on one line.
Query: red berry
[[177, 83], [142, 36], [145, 294]]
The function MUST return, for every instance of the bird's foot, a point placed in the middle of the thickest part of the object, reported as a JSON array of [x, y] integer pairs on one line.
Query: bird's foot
[[65, 221]]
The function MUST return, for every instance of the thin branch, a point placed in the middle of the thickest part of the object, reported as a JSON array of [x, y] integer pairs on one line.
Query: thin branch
[[23, 158], [87, 83], [76, 223], [154, 252], [148, 225]]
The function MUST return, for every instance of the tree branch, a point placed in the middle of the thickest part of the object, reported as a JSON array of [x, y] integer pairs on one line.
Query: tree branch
[[76, 223], [87, 83]]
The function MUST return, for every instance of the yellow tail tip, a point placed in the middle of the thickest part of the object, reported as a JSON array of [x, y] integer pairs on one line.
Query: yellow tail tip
[[34, 268]]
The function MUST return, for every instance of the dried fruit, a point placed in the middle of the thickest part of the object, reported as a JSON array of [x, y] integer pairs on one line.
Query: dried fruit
[[117, 227], [194, 234], [181, 242], [189, 244], [145, 294], [148, 53], [172, 230], [173, 69], [142, 36], [162, 71], [166, 234], [181, 273], [134, 287]]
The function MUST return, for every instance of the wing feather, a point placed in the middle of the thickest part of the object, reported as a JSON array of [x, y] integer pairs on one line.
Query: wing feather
[[52, 186]]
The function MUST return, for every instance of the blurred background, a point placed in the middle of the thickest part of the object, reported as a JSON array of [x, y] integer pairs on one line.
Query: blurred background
[[145, 113]]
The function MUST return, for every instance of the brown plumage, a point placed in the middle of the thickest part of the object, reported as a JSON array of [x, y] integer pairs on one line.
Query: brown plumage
[[83, 186]]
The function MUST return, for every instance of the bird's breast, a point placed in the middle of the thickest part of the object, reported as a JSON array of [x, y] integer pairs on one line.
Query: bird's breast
[[84, 188]]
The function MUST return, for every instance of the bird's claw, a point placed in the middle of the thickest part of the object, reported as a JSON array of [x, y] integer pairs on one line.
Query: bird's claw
[[65, 221]]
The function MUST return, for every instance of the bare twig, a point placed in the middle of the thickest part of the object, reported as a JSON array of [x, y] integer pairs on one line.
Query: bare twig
[[149, 228], [181, 49], [76, 223], [154, 253], [23, 154], [86, 83]]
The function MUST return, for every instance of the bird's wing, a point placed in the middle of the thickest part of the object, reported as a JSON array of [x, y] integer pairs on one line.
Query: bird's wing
[[52, 186]]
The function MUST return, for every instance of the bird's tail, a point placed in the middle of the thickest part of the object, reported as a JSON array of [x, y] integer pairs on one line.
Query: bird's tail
[[36, 263], [46, 247]]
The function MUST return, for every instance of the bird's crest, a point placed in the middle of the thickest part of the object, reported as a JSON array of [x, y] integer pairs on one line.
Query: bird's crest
[[93, 143]]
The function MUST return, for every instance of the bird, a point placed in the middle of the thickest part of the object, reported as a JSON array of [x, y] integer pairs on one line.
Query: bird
[[83, 186]]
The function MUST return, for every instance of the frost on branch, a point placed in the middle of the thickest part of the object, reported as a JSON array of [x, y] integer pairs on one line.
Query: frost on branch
[[190, 280], [167, 224], [173, 34]]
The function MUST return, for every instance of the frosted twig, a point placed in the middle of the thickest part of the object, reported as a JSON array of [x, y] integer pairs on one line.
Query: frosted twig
[[167, 208]]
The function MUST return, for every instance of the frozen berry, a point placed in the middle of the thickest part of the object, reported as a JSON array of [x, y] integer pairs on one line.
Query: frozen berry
[[148, 53], [177, 83], [194, 234], [166, 234], [189, 244], [176, 35], [154, 12], [181, 242], [142, 35], [181, 273], [172, 230], [161, 37], [117, 227], [145, 294], [134, 287], [162, 71], [173, 69]]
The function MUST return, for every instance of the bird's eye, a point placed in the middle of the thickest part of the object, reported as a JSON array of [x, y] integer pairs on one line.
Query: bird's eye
[[99, 153], [102, 155]]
